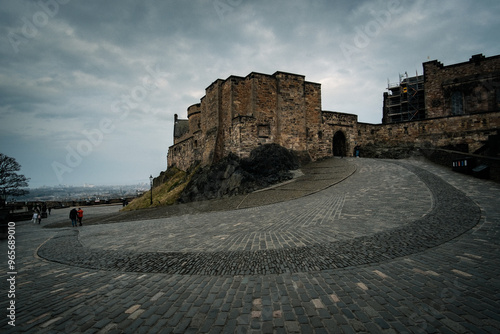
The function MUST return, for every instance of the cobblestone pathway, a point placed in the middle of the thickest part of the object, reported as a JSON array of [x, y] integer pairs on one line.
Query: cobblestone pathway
[[399, 246]]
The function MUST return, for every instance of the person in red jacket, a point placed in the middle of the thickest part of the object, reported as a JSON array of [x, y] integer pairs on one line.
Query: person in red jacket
[[80, 216]]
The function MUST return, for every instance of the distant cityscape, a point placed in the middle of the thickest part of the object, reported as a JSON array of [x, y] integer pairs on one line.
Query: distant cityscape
[[87, 192]]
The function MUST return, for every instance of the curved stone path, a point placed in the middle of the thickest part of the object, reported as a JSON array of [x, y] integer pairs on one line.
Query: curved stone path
[[298, 236]]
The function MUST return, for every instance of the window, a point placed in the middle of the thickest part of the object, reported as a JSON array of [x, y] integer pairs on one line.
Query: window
[[457, 103], [264, 131]]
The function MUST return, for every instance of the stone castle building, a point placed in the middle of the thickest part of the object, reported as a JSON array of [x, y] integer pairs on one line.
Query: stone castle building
[[446, 106]]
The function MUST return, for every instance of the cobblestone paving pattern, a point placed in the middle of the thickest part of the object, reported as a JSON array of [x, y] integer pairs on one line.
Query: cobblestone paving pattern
[[295, 236], [311, 178], [319, 218], [453, 287]]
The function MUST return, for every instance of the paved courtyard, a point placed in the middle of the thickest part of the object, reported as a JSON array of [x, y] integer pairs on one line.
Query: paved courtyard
[[390, 247]]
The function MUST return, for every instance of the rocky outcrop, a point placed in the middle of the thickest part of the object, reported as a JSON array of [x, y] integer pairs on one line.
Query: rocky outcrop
[[267, 165]]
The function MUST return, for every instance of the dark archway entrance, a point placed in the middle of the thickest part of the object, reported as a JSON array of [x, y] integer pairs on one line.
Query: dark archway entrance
[[339, 144]]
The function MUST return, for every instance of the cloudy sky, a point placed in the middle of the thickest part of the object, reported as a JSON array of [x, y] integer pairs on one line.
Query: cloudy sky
[[89, 89]]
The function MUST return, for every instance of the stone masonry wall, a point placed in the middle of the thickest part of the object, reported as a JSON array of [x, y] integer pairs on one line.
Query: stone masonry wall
[[314, 121], [210, 120], [476, 82], [472, 130], [194, 117], [291, 112], [252, 120], [182, 155], [240, 113], [225, 116], [264, 91], [334, 122]]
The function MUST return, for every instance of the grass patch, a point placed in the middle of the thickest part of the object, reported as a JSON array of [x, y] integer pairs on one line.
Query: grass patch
[[165, 194]]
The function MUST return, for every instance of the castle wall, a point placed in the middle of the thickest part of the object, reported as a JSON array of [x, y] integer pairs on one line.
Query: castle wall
[[264, 90], [254, 120], [291, 112], [334, 122], [194, 118], [314, 121], [246, 129], [474, 85], [240, 113], [210, 109], [241, 102], [224, 118], [183, 154], [470, 130]]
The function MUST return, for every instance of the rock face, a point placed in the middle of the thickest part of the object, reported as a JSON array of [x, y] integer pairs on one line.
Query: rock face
[[267, 165]]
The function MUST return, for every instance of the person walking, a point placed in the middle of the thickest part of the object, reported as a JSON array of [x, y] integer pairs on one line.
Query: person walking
[[73, 216], [80, 216]]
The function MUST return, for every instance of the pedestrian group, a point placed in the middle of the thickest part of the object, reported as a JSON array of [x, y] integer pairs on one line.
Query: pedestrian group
[[76, 217]]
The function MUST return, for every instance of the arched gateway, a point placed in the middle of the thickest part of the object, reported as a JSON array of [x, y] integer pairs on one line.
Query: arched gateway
[[339, 148]]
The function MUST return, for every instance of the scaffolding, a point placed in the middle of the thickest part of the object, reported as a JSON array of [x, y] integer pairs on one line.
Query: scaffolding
[[405, 99]]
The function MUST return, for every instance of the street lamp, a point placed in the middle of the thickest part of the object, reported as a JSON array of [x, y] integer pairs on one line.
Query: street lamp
[[151, 184]]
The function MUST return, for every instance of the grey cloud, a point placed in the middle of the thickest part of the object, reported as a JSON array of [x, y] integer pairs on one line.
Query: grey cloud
[[93, 54]]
